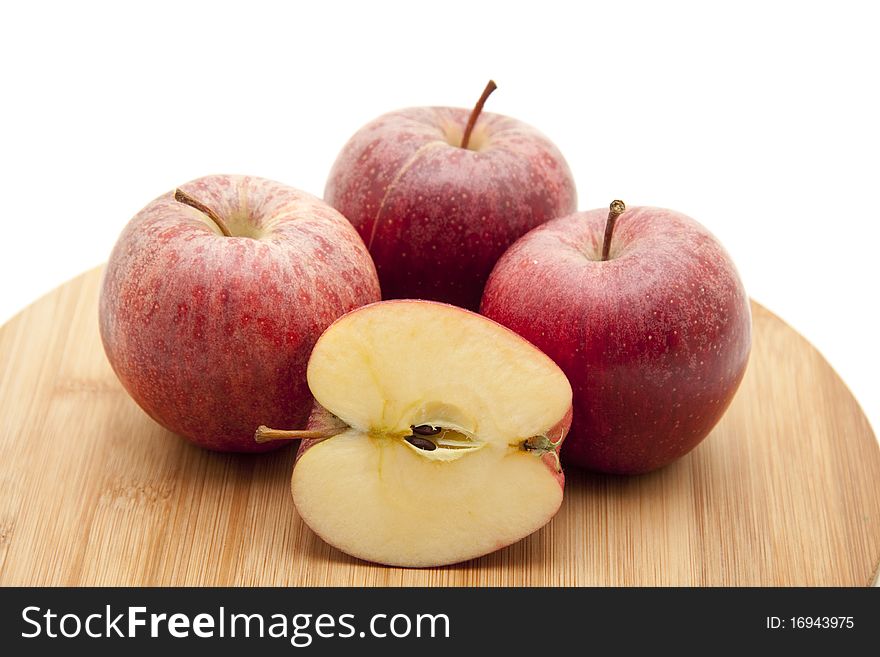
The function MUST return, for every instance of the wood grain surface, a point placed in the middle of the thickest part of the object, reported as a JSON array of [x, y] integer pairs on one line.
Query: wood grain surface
[[783, 492]]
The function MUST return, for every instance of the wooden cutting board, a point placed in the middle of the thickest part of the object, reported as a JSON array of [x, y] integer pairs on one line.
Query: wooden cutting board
[[785, 491]]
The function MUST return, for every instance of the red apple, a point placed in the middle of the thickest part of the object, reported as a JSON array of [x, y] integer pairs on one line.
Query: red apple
[[436, 215], [654, 339], [214, 297], [434, 437]]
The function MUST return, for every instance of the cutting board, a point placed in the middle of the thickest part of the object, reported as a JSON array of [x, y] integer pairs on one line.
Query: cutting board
[[785, 491]]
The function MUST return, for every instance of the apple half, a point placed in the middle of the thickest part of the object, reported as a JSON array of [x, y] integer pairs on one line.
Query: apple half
[[435, 435]]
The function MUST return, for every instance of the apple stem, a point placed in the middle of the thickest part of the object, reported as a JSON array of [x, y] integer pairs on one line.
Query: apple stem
[[264, 434], [475, 113], [617, 208], [182, 197]]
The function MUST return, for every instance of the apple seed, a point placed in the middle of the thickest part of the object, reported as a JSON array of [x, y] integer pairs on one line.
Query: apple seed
[[426, 430], [421, 443]]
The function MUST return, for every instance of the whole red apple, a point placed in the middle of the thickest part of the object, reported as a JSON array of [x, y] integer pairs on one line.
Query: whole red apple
[[437, 208], [214, 297], [655, 337]]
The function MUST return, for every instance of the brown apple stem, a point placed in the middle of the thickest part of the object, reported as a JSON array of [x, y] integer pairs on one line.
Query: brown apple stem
[[265, 434], [617, 208], [182, 197], [475, 113]]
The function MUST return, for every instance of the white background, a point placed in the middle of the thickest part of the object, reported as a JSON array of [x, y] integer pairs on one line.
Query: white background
[[760, 120]]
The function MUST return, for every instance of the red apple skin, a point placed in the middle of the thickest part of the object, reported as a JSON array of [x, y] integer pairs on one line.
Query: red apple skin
[[436, 217], [655, 341], [211, 334]]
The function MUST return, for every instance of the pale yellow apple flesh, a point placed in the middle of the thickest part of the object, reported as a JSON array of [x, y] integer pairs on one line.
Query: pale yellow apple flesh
[[454, 424]]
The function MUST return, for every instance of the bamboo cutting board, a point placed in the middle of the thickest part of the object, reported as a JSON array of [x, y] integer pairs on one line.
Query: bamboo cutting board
[[785, 491]]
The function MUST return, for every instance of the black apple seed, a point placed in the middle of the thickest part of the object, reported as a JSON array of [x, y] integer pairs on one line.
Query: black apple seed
[[421, 443], [426, 430]]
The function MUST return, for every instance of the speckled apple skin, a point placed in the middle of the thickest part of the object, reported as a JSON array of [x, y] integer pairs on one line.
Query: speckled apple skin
[[655, 341], [210, 334], [437, 217]]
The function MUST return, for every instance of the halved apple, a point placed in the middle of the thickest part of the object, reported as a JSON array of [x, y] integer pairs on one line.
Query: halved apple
[[435, 436]]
